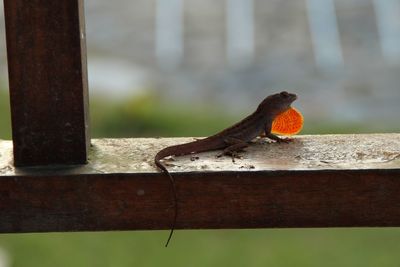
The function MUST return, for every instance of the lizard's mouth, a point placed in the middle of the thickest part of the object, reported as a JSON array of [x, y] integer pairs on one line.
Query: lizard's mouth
[[292, 97], [287, 97]]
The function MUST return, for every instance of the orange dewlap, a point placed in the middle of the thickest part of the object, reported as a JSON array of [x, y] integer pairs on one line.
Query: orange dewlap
[[288, 123]]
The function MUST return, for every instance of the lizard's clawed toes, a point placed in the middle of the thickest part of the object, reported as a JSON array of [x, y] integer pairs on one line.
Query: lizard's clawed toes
[[285, 140], [233, 154]]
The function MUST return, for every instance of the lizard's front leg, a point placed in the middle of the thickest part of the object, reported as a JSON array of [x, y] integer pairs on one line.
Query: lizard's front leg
[[275, 137]]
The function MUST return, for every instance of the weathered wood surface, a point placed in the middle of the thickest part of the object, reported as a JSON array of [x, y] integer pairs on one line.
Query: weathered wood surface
[[48, 81], [316, 181]]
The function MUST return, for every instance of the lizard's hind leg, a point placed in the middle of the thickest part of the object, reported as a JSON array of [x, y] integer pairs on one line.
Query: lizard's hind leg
[[235, 145]]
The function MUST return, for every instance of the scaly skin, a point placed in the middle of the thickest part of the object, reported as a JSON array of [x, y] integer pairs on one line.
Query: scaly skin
[[232, 139]]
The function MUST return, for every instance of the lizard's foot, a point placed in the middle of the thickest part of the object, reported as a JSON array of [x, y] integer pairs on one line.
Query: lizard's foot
[[284, 140], [279, 139], [262, 141], [233, 154]]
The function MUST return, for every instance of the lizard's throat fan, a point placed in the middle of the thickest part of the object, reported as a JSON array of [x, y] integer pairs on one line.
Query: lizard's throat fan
[[289, 122]]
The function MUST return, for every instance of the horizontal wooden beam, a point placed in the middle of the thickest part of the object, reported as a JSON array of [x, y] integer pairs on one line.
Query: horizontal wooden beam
[[316, 181]]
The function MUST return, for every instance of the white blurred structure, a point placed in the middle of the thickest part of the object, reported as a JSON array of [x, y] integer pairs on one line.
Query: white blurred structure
[[5, 260], [240, 32], [325, 34], [388, 20], [169, 33]]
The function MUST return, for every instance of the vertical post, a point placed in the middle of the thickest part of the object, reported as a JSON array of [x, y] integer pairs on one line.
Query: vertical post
[[48, 81], [387, 15], [240, 32], [325, 34], [169, 33]]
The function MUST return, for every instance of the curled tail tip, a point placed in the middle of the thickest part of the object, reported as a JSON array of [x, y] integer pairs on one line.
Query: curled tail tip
[[169, 238]]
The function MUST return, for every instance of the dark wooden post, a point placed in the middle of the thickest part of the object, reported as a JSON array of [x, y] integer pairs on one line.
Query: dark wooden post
[[48, 81]]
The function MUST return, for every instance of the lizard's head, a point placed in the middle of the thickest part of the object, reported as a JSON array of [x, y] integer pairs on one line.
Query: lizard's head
[[277, 103]]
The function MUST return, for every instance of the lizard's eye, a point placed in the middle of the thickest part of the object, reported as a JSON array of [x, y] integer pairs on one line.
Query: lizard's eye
[[284, 94]]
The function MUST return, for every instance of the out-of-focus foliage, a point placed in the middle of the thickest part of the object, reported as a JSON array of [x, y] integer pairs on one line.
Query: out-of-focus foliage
[[146, 115], [5, 117]]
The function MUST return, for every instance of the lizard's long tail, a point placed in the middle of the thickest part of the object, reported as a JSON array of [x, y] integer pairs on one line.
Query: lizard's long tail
[[183, 149], [172, 181]]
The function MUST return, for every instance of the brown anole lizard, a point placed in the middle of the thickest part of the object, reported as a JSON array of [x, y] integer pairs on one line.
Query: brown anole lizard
[[232, 139]]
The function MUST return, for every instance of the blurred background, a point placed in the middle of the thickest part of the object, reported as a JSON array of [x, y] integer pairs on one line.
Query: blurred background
[[190, 68]]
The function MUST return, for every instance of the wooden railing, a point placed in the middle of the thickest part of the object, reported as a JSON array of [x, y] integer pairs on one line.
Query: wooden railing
[[316, 181], [45, 185]]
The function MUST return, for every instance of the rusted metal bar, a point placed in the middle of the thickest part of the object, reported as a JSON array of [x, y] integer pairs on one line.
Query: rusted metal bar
[[48, 81], [316, 181]]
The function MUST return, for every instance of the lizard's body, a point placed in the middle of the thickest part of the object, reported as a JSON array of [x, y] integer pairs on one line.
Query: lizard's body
[[232, 139]]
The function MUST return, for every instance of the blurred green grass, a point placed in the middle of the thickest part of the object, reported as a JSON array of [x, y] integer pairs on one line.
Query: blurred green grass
[[5, 117], [148, 116], [283, 247]]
